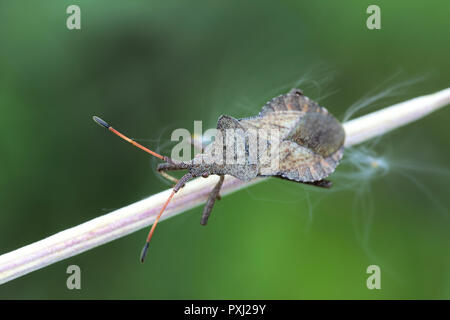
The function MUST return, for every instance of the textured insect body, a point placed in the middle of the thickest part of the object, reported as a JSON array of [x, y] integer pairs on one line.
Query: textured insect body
[[307, 147]]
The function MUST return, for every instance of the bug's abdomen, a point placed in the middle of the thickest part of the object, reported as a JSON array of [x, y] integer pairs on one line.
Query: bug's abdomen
[[302, 164], [319, 132], [313, 145]]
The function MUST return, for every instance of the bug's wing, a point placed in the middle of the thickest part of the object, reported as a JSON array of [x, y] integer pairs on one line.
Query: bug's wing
[[319, 132], [280, 121], [283, 113], [312, 138], [298, 163]]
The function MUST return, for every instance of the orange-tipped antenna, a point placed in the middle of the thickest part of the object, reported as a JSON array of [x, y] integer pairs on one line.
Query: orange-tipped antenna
[[180, 183], [150, 234], [107, 126], [178, 186]]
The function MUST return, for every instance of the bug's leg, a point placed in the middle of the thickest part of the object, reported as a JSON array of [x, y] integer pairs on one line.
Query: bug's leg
[[169, 166], [321, 183], [162, 170], [206, 175], [168, 176], [211, 200]]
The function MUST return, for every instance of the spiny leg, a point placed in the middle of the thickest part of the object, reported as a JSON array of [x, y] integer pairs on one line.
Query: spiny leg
[[206, 175], [320, 183], [169, 166], [168, 177], [180, 184], [211, 200]]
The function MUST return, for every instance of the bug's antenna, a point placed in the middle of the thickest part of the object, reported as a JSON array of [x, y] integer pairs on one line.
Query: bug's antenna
[[107, 126], [150, 234], [177, 187], [180, 184]]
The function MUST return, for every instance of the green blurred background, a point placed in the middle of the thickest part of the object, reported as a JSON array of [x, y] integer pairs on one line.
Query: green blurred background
[[149, 67]]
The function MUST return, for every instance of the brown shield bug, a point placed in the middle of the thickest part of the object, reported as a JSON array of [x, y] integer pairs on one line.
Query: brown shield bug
[[307, 147]]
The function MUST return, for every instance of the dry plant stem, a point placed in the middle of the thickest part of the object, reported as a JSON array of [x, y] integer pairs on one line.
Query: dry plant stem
[[141, 214], [384, 120]]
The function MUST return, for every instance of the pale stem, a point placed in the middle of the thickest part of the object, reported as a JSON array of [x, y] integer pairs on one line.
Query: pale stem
[[141, 214]]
